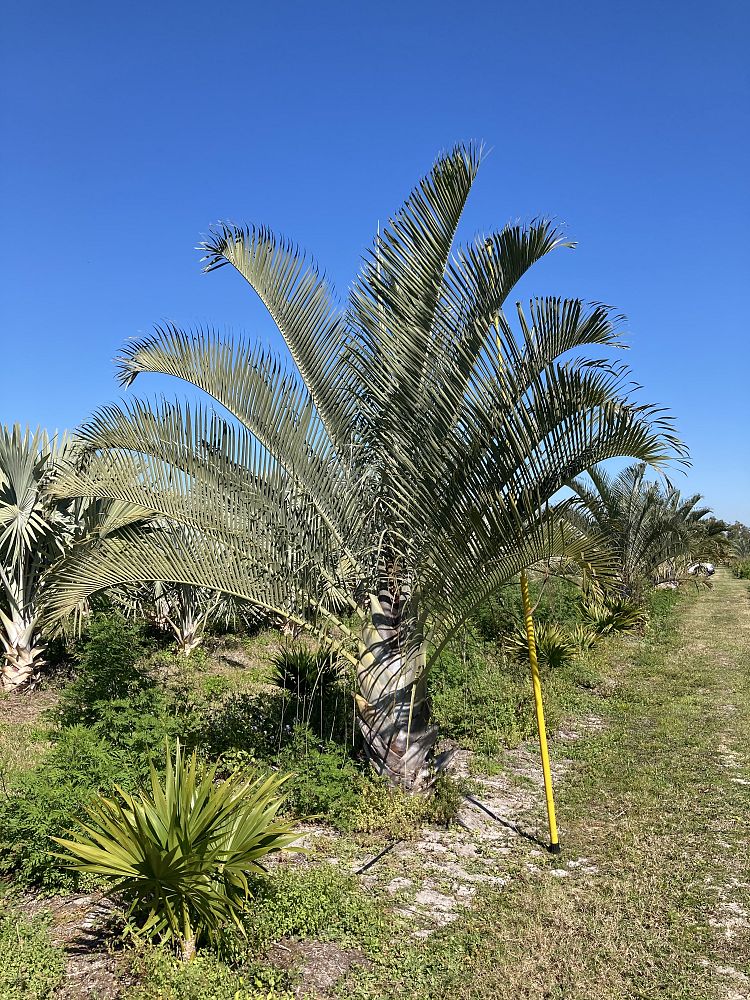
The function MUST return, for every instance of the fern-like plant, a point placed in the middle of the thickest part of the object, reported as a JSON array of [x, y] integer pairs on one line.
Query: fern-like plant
[[181, 853]]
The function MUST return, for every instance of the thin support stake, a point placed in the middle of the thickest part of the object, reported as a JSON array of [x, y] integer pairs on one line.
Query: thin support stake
[[554, 844]]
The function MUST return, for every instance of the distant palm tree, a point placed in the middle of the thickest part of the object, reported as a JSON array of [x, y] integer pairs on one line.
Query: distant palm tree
[[653, 531], [35, 529], [400, 473]]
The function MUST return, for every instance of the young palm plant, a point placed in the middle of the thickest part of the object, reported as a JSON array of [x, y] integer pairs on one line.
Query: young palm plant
[[181, 854], [402, 470]]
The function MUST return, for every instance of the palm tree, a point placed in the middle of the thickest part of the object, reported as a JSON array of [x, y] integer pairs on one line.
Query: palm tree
[[402, 470], [652, 530], [34, 532]]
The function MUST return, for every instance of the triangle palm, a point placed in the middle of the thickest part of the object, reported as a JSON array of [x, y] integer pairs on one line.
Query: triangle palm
[[402, 470]]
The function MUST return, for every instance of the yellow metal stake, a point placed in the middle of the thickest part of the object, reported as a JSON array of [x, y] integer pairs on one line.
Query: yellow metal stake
[[554, 844]]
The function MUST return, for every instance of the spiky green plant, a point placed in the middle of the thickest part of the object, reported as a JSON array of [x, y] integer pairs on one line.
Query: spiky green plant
[[304, 672], [607, 613], [555, 647], [181, 853], [403, 470]]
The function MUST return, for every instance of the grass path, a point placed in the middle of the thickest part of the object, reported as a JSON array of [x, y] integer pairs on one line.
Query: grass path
[[651, 897]]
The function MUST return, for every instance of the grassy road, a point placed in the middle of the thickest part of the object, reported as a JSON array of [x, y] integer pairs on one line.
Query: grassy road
[[655, 817]]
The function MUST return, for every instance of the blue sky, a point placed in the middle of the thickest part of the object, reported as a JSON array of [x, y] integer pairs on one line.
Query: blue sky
[[129, 129]]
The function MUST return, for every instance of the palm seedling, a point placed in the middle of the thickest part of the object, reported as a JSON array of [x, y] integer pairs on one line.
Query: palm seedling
[[182, 853], [309, 677], [404, 468]]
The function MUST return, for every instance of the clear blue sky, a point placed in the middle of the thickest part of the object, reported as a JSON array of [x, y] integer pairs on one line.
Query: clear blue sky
[[128, 129]]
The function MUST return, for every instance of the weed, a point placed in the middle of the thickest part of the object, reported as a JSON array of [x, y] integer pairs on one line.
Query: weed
[[162, 977], [43, 803], [31, 967]]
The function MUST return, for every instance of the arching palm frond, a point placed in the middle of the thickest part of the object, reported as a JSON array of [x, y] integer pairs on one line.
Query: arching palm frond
[[407, 468]]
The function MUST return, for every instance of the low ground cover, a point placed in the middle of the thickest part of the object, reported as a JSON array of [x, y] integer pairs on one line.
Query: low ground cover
[[649, 898]]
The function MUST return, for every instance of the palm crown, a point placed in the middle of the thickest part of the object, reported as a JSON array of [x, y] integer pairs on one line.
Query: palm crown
[[403, 469], [649, 528]]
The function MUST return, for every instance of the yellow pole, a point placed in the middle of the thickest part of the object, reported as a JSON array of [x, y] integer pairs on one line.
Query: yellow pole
[[554, 844]]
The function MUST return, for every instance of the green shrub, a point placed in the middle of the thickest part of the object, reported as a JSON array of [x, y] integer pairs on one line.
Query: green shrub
[[480, 698], [304, 672], [380, 808], [31, 967], [44, 802], [554, 600], [555, 648], [107, 670], [321, 902], [583, 637], [205, 978], [324, 780], [250, 722], [181, 854], [316, 698], [116, 692], [741, 569], [610, 614], [499, 615]]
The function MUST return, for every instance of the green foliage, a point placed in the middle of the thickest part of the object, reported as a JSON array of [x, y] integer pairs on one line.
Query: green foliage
[[583, 637], [553, 599], [611, 613], [206, 978], [324, 780], [304, 672], [323, 902], [310, 680], [107, 668], [499, 615], [37, 528], [381, 808], [44, 802], [241, 721], [738, 535], [181, 853], [479, 697], [116, 693], [260, 730], [31, 967], [430, 493], [661, 604], [650, 529], [741, 569], [555, 647]]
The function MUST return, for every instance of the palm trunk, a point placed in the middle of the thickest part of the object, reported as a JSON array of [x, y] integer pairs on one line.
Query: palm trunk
[[24, 654], [187, 949], [393, 711], [187, 643]]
